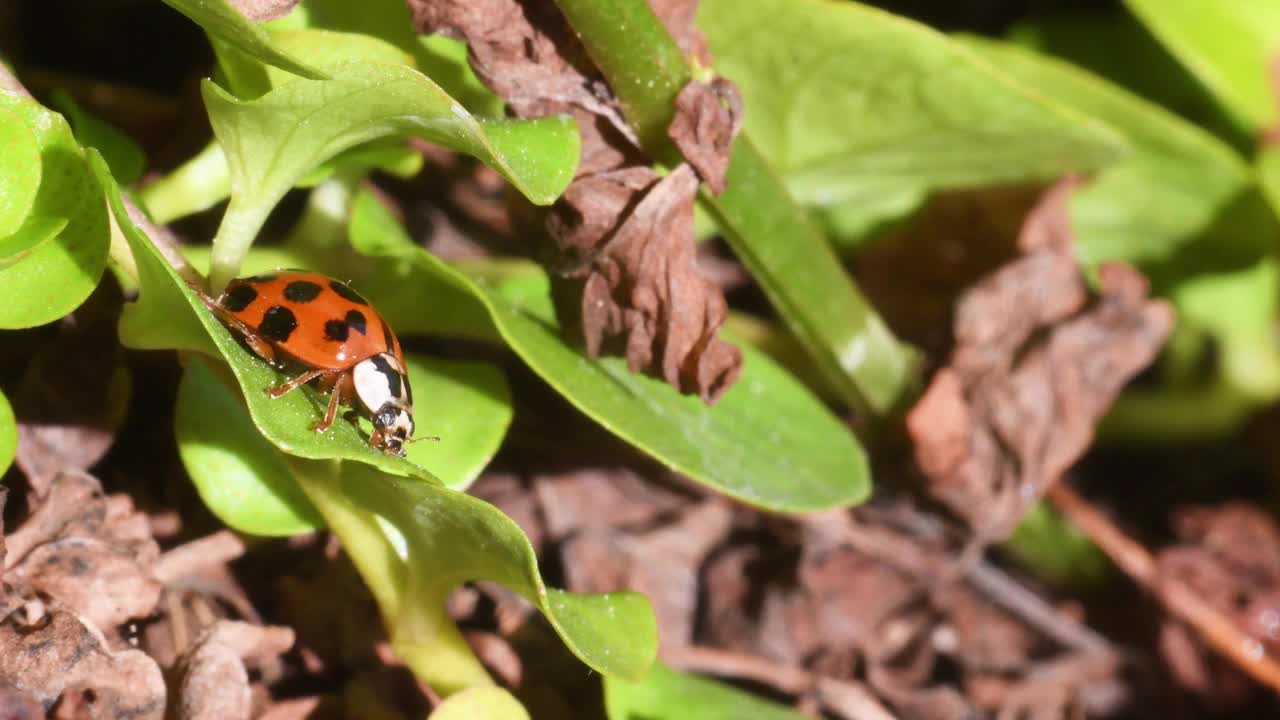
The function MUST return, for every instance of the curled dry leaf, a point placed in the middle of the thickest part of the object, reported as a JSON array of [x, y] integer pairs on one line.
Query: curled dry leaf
[[1229, 556], [662, 563], [708, 118], [1036, 365], [621, 240], [65, 653], [93, 553], [213, 683], [601, 497]]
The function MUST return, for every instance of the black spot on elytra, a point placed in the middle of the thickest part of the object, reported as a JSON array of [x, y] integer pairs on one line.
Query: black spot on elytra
[[390, 373], [387, 337], [278, 323], [347, 293], [238, 297], [301, 291], [335, 330], [355, 319]]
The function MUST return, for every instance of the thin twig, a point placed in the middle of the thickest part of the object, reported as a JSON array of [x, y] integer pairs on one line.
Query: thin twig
[[1180, 600], [850, 699]]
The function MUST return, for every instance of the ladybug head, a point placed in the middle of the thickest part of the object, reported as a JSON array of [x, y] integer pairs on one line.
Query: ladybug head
[[383, 389]]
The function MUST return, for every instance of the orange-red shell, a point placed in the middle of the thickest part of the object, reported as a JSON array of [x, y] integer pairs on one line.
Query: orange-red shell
[[314, 319]]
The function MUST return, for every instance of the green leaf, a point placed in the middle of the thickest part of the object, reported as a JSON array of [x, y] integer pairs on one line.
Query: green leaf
[[275, 140], [1230, 46], [19, 171], [667, 694], [8, 435], [227, 25], [1176, 186], [55, 259], [480, 703], [414, 542], [240, 476], [739, 447], [1145, 68], [123, 156], [169, 315], [849, 103], [440, 58]]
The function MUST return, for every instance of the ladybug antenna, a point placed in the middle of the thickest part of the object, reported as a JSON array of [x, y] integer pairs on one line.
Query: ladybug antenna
[[420, 439]]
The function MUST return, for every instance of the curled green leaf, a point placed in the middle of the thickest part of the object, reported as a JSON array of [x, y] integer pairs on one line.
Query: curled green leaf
[[227, 25], [51, 263], [480, 703], [19, 172], [668, 693], [414, 542], [267, 150]]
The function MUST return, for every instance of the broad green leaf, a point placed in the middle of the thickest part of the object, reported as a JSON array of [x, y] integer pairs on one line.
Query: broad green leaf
[[414, 542], [8, 435], [667, 694], [273, 141], [1174, 187], [849, 102], [64, 238], [170, 316], [480, 703], [19, 173], [440, 58], [247, 78], [768, 441], [240, 476], [123, 156], [225, 24], [1230, 46], [1145, 68]]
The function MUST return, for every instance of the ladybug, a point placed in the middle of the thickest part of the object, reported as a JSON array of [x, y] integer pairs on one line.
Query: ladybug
[[321, 324]]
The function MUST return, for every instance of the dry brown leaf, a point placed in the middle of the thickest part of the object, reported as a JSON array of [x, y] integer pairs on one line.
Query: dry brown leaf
[[1229, 556], [18, 705], [213, 683], [63, 652], [621, 240], [94, 554], [597, 498], [708, 118], [1036, 364], [663, 564]]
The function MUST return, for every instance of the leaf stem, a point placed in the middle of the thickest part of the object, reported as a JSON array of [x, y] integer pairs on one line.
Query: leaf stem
[[770, 233]]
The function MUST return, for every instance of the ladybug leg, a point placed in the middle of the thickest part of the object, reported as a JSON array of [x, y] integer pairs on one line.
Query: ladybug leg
[[297, 382], [256, 343], [340, 390]]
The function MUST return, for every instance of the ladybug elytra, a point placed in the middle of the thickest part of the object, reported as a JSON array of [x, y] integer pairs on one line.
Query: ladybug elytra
[[321, 324]]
